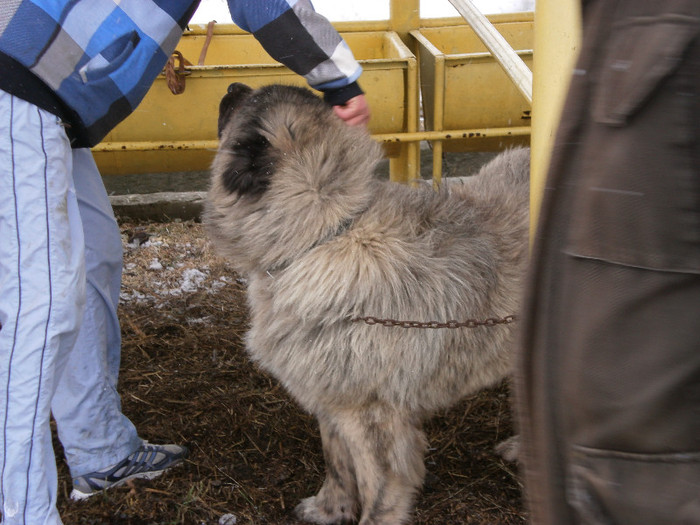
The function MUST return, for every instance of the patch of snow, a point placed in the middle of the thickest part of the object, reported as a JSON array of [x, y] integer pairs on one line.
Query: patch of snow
[[192, 279], [134, 295], [201, 320], [228, 519]]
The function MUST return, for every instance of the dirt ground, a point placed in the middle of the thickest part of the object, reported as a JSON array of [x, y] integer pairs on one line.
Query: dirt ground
[[253, 453]]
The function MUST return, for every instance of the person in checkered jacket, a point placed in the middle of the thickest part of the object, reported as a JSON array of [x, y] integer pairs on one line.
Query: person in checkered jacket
[[70, 71]]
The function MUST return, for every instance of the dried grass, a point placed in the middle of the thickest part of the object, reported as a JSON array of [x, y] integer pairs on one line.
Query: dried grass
[[254, 454]]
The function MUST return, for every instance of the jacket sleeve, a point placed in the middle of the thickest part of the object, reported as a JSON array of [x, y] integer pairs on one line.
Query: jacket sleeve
[[293, 33]]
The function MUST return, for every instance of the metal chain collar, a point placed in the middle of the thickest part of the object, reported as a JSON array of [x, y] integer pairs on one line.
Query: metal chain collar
[[469, 323]]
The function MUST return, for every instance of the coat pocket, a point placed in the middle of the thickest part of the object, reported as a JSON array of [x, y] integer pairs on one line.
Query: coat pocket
[[636, 197], [110, 58], [640, 56], [608, 487]]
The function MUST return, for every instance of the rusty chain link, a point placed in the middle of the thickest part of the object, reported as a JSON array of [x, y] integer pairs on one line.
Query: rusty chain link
[[469, 323]]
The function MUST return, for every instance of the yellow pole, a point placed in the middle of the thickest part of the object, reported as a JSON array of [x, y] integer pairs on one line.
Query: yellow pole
[[557, 41], [405, 17]]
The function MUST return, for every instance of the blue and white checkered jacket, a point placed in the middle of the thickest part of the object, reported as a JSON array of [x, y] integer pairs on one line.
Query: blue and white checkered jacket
[[91, 62]]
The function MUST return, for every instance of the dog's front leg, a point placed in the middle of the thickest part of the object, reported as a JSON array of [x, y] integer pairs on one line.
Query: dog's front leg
[[387, 447], [336, 502]]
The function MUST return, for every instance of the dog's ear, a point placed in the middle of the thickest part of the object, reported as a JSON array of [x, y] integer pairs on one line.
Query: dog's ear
[[234, 97], [249, 168]]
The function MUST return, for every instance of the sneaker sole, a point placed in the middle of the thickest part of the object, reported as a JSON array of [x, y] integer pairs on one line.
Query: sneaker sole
[[77, 495]]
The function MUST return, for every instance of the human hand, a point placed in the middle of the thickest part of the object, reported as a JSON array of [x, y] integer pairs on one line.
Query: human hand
[[355, 112]]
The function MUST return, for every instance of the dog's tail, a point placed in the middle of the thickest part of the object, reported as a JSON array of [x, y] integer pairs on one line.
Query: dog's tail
[[509, 171]]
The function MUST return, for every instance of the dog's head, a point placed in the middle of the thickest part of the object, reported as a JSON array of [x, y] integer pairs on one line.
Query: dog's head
[[288, 173], [260, 128]]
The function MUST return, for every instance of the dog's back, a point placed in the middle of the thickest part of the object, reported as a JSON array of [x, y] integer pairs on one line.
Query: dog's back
[[502, 188], [454, 254]]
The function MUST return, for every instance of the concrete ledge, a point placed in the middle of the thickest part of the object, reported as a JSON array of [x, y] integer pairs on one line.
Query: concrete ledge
[[162, 207]]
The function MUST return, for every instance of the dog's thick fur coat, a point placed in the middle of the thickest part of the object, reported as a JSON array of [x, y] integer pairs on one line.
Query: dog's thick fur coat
[[295, 205]]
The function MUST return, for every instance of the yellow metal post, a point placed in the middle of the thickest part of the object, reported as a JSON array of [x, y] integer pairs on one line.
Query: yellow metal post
[[405, 17], [557, 42]]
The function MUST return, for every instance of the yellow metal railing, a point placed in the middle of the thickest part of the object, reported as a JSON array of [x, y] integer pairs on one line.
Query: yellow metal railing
[[469, 104]]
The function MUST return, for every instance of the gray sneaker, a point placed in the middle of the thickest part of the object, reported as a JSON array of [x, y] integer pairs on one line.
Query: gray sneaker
[[147, 462]]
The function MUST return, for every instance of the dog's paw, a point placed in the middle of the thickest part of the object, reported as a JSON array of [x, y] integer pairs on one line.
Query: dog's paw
[[310, 511], [509, 449]]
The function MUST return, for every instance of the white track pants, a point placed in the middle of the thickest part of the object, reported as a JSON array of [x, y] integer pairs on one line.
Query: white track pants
[[60, 271]]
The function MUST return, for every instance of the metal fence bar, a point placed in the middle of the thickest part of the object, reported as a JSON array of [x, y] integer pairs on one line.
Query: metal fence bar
[[512, 64], [417, 136]]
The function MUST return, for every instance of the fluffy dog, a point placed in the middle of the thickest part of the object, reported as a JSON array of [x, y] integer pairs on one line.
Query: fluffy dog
[[295, 205]]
